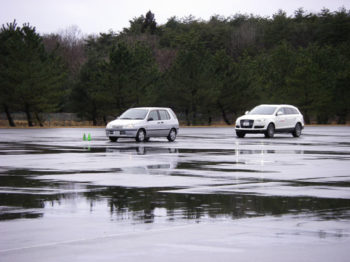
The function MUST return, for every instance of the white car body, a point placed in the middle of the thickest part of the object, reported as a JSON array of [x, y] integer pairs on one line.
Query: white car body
[[270, 119], [142, 123]]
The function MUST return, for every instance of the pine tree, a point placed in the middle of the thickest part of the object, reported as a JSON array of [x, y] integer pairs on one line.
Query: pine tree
[[32, 78]]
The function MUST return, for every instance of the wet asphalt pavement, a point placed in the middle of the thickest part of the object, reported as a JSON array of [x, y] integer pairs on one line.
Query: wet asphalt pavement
[[207, 196]]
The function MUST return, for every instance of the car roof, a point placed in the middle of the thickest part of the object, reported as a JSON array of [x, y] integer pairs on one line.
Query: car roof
[[276, 105], [148, 108]]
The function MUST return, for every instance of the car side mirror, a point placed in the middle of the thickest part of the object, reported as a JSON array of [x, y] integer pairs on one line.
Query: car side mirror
[[150, 119], [246, 112]]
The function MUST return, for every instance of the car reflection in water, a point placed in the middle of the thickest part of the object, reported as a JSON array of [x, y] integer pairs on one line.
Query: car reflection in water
[[168, 157], [142, 150], [145, 204]]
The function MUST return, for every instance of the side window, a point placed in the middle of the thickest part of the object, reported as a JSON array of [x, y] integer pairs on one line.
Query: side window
[[281, 111], [294, 111], [173, 114], [164, 115], [153, 115], [288, 111]]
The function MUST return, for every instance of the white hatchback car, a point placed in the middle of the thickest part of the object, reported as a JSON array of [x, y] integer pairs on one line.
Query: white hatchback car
[[142, 123], [271, 119]]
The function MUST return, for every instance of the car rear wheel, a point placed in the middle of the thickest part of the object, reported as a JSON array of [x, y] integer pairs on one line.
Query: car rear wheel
[[113, 139], [297, 130], [240, 134], [140, 136], [172, 135], [270, 131]]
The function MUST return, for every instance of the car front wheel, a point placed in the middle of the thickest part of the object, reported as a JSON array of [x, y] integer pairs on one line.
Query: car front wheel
[[140, 136], [172, 135], [240, 134], [297, 130], [270, 131], [113, 139]]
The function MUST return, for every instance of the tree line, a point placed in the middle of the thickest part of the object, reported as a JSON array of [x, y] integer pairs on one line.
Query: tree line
[[205, 70]]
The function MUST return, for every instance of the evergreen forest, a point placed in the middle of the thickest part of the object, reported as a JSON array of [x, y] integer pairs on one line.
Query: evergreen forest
[[206, 71]]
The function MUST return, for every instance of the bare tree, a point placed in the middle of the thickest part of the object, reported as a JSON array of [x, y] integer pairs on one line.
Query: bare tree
[[70, 45], [243, 36]]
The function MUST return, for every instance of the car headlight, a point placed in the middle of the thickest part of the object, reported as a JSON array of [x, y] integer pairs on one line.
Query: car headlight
[[129, 126], [260, 120], [109, 125]]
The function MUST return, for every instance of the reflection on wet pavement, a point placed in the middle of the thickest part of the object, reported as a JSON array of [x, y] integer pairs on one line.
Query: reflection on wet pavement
[[206, 175], [271, 174]]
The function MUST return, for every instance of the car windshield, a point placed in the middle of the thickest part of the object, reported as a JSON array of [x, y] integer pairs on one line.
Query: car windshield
[[263, 110], [134, 114]]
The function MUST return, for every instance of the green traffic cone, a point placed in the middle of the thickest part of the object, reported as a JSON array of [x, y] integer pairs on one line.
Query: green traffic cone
[[84, 137], [89, 137]]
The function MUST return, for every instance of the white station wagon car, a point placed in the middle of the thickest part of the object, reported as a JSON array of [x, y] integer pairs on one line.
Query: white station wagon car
[[142, 123], [270, 119]]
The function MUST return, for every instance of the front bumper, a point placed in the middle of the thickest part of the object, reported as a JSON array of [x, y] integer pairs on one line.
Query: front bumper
[[253, 130], [251, 126], [110, 132]]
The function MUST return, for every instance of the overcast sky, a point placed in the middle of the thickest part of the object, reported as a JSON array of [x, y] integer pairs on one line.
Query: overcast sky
[[95, 16]]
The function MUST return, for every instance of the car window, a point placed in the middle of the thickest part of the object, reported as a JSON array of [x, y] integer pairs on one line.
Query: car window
[[134, 113], [294, 111], [153, 115], [263, 110], [172, 112], [164, 115], [287, 111], [281, 111]]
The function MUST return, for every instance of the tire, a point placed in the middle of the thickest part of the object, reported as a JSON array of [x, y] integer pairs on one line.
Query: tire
[[270, 131], [113, 139], [240, 134], [141, 150], [140, 136], [172, 135], [297, 130]]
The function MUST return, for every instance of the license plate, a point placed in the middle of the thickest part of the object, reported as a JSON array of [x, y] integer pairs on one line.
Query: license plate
[[246, 123]]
